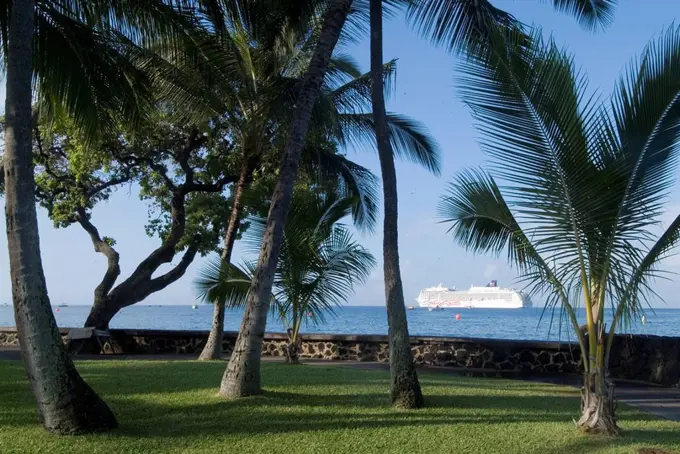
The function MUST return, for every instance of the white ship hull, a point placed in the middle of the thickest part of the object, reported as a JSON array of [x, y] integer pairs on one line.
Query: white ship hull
[[489, 297], [473, 305]]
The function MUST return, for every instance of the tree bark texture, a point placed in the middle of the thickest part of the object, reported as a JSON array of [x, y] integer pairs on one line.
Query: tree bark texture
[[242, 377], [598, 406], [66, 404], [213, 348], [405, 388]]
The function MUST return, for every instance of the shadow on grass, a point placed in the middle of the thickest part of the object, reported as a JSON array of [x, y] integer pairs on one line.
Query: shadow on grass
[[634, 439], [293, 413], [159, 400]]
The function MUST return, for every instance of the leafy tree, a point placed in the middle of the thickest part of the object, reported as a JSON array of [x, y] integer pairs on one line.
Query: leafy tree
[[181, 171], [317, 269], [584, 185]]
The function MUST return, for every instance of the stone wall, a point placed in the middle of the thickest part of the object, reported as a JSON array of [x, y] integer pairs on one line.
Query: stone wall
[[647, 358]]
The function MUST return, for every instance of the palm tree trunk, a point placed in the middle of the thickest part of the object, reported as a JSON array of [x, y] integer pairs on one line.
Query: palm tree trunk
[[598, 407], [213, 348], [405, 388], [67, 405], [242, 377]]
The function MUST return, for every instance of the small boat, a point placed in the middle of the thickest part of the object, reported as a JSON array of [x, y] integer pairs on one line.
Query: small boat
[[436, 308], [63, 305], [195, 306], [644, 320], [410, 308]]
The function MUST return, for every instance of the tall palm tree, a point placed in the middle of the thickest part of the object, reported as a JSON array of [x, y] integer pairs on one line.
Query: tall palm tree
[[318, 266], [67, 405], [584, 187], [242, 377], [404, 386], [456, 24], [75, 51]]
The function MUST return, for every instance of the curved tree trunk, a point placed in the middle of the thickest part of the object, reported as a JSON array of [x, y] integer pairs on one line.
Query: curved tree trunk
[[213, 348], [242, 377], [405, 388], [108, 301], [67, 405]]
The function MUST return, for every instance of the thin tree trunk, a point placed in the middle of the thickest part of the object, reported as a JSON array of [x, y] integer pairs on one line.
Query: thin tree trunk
[[67, 405], [405, 388], [213, 348], [242, 377]]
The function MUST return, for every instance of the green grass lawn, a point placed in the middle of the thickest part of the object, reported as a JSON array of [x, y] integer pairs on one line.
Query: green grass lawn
[[173, 407]]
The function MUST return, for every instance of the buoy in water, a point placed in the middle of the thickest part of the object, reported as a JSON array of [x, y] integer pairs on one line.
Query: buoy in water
[[56, 310], [457, 316]]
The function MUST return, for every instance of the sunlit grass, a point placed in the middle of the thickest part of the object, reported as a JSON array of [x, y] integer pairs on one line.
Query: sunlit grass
[[173, 407]]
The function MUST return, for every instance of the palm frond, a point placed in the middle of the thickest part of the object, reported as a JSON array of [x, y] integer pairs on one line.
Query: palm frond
[[355, 182], [536, 122], [591, 14], [343, 265], [458, 25], [224, 283], [642, 156], [409, 138], [354, 96], [482, 222]]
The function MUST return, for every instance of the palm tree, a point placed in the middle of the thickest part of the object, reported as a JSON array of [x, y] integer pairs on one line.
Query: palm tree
[[258, 101], [404, 386], [242, 375], [585, 185], [67, 405], [318, 266], [456, 24], [76, 51]]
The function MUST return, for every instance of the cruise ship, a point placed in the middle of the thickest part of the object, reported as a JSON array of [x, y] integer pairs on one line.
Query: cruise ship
[[488, 297]]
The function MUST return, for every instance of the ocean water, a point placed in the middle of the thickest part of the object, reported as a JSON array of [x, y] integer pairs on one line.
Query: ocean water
[[484, 323]]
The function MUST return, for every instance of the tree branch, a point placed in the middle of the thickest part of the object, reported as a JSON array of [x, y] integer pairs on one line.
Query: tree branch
[[177, 272], [105, 185], [218, 186], [101, 246]]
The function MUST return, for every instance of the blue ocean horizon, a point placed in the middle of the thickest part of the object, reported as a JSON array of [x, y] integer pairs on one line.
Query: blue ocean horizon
[[521, 324]]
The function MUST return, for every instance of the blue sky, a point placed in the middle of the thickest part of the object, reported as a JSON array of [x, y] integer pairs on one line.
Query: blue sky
[[425, 91]]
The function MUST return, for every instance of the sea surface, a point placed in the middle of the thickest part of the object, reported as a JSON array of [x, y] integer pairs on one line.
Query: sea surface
[[485, 323]]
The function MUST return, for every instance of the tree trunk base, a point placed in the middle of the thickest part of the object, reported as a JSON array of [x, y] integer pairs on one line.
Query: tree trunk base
[[598, 411], [242, 377], [80, 412], [211, 352], [238, 390], [292, 354], [406, 393]]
